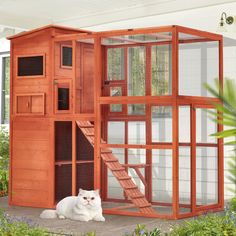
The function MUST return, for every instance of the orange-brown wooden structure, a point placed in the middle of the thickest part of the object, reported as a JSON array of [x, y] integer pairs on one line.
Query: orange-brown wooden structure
[[64, 93]]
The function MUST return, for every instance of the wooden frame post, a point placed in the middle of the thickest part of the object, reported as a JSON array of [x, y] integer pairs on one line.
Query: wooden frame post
[[175, 124], [220, 142], [193, 158], [97, 110]]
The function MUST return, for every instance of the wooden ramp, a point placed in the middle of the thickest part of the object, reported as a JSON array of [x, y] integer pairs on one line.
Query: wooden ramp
[[130, 188]]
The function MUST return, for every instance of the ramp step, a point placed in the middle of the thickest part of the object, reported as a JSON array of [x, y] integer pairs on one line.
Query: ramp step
[[84, 124], [135, 196], [103, 150], [130, 187], [145, 205], [118, 169], [111, 160], [88, 131], [122, 178]]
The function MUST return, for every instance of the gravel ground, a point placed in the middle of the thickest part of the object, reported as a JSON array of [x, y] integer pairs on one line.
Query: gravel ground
[[115, 225]]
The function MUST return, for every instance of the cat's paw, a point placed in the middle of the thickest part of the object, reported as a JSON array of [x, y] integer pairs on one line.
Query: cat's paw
[[61, 217], [99, 218]]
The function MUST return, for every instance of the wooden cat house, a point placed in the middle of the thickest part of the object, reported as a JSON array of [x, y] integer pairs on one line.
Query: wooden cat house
[[121, 111]]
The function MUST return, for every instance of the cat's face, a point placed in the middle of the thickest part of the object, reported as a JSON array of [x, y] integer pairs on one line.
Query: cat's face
[[89, 199]]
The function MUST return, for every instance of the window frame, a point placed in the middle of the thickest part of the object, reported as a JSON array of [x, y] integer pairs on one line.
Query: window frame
[[31, 76], [57, 84], [2, 85], [61, 56]]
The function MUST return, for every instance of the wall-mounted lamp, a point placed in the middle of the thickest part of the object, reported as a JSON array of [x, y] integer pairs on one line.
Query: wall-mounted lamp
[[224, 19]]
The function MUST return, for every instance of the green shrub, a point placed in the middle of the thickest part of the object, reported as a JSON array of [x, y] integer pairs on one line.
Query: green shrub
[[226, 114], [4, 161], [214, 225], [4, 148], [141, 230], [232, 205], [3, 182], [16, 226]]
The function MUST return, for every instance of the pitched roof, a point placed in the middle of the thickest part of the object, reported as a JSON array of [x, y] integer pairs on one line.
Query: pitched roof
[[47, 27]]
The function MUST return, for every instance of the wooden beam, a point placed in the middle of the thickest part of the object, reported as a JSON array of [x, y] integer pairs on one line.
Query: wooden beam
[[137, 146], [220, 141], [175, 125], [97, 109], [199, 33], [74, 184], [193, 168]]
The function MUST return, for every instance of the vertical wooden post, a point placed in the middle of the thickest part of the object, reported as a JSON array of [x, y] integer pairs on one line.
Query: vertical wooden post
[[148, 169], [175, 157], [193, 158], [51, 188], [73, 92], [97, 110], [126, 151], [74, 158], [11, 122], [52, 75], [73, 76], [220, 142], [52, 122]]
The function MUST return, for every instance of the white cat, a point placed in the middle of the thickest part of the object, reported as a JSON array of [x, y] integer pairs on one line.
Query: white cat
[[84, 207]]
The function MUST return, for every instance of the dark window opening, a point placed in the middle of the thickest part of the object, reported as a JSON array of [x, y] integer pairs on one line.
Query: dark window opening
[[30, 66], [63, 99], [66, 56], [63, 140]]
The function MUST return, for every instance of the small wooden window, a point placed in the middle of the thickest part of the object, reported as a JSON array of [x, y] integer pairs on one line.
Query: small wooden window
[[30, 66], [62, 96], [30, 104], [63, 99], [66, 56]]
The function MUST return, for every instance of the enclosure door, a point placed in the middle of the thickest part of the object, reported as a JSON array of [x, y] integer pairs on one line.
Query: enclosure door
[[199, 159], [207, 170]]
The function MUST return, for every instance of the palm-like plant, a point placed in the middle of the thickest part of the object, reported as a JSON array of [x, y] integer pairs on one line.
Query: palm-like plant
[[226, 114]]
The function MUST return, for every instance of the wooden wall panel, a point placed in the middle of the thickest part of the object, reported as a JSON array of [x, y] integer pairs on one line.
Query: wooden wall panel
[[39, 45], [30, 162], [59, 70], [87, 77], [78, 91]]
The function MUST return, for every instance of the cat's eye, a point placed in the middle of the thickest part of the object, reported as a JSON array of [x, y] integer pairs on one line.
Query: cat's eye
[[92, 198], [85, 198]]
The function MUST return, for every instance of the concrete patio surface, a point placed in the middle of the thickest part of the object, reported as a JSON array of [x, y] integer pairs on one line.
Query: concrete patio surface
[[115, 225]]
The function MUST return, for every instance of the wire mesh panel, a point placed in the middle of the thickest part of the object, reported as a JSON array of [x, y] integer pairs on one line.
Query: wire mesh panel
[[207, 176], [184, 179], [162, 183], [161, 124], [114, 189], [198, 64]]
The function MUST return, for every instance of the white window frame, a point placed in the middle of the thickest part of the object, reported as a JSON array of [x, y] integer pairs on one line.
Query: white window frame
[[2, 56]]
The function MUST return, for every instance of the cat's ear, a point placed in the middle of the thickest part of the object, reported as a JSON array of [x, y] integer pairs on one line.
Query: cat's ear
[[81, 190], [96, 191]]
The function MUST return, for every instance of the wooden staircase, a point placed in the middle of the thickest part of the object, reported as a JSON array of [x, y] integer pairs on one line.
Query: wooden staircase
[[130, 188]]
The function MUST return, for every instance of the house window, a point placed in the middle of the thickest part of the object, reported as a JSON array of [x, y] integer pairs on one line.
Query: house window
[[62, 96], [30, 66], [5, 90], [66, 58]]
